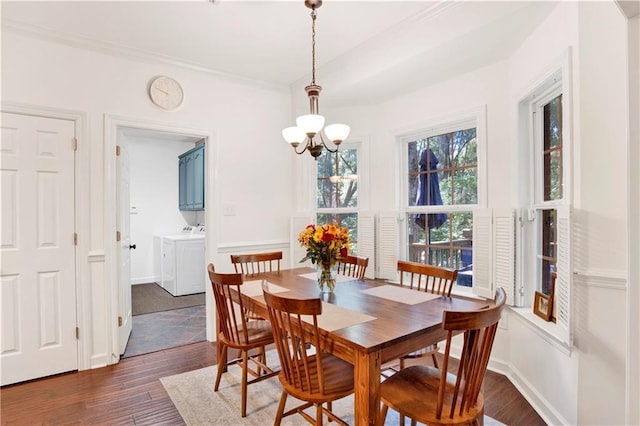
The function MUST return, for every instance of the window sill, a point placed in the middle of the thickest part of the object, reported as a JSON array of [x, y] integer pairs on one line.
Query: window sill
[[547, 330]]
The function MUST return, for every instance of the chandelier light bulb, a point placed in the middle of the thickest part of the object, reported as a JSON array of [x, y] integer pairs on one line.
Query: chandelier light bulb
[[337, 132], [293, 135], [310, 123]]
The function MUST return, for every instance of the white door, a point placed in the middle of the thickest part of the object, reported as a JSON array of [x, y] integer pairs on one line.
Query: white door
[[124, 261], [37, 249]]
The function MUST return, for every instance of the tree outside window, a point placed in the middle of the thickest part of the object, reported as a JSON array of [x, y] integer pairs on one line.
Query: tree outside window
[[337, 190], [443, 171]]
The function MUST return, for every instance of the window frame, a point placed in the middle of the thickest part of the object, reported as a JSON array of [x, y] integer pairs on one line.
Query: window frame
[[552, 83], [471, 118], [360, 145]]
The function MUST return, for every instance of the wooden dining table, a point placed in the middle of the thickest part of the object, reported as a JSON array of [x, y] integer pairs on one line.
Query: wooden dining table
[[367, 323]]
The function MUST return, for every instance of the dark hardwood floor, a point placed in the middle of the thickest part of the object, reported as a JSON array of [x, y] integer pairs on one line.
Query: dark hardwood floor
[[129, 393]]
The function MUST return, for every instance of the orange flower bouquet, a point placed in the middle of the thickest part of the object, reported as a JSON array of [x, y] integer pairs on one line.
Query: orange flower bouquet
[[325, 244]]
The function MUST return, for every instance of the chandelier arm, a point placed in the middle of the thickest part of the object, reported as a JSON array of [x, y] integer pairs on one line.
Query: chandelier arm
[[306, 146], [324, 143]]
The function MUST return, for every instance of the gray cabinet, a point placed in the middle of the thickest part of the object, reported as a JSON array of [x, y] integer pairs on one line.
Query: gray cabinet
[[191, 179]]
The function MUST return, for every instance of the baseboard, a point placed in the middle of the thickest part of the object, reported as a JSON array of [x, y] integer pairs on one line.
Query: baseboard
[[145, 280], [539, 403]]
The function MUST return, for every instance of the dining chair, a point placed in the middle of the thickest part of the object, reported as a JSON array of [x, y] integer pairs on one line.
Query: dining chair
[[251, 265], [306, 373], [353, 266], [236, 332], [431, 279], [437, 397]]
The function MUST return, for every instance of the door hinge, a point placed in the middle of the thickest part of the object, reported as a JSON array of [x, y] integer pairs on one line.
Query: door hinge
[[75, 238], [117, 150], [77, 333], [119, 321], [75, 144], [117, 235]]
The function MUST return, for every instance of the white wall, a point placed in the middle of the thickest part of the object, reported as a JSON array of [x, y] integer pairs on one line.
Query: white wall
[[154, 200], [633, 353], [601, 291], [241, 118], [587, 384]]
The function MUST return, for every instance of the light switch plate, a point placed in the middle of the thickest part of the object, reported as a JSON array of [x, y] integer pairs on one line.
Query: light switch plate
[[229, 210]]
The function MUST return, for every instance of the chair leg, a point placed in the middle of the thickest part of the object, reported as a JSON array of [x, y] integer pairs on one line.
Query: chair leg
[[283, 402], [263, 359], [383, 413], [245, 366], [318, 414], [330, 408], [435, 360], [222, 363]]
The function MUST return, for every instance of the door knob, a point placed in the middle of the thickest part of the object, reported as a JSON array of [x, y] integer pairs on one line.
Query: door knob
[[132, 246]]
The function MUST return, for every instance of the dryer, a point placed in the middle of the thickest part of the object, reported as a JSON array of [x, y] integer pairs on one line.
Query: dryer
[[182, 261]]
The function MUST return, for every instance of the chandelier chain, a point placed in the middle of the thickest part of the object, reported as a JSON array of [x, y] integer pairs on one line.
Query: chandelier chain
[[313, 46]]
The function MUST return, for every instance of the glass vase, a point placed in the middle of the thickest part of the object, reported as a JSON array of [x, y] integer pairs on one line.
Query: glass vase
[[327, 278]]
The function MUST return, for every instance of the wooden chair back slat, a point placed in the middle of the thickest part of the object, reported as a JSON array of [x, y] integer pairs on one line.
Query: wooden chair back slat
[[251, 265], [479, 328], [306, 372], [229, 309], [353, 266], [428, 278], [302, 369]]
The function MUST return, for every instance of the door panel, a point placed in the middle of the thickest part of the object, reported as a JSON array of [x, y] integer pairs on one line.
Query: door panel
[[37, 251], [123, 220]]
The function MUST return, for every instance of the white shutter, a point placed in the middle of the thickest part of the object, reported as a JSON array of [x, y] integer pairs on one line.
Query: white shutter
[[387, 258], [563, 279], [367, 241], [504, 252], [482, 251], [298, 222]]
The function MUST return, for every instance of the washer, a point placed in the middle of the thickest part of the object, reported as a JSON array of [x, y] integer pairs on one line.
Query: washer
[[182, 261]]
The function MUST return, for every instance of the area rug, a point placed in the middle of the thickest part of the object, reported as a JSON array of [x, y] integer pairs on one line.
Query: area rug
[[192, 394], [148, 298]]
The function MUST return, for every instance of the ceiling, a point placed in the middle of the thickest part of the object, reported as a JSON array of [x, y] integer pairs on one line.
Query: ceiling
[[366, 51]]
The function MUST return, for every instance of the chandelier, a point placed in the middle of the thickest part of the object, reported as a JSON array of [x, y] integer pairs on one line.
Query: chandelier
[[309, 128]]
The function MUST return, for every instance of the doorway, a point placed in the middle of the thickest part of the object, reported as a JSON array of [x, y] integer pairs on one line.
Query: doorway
[[152, 211]]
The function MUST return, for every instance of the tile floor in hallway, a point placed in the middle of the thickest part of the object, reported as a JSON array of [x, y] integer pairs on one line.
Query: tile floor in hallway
[[166, 329]]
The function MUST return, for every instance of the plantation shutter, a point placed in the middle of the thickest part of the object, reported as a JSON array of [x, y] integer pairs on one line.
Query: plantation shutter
[[367, 241], [387, 258], [482, 248], [563, 280], [298, 222], [504, 246]]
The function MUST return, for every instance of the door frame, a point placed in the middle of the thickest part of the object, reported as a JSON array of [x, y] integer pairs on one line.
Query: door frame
[[83, 255], [112, 125]]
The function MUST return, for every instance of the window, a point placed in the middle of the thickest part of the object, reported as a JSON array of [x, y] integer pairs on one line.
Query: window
[[550, 179], [337, 190], [545, 242], [441, 194], [546, 116]]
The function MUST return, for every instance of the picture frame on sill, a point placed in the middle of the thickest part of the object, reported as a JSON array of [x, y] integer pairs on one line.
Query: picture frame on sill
[[543, 306]]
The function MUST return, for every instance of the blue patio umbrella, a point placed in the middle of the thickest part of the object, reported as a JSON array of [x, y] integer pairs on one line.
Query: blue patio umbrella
[[429, 192]]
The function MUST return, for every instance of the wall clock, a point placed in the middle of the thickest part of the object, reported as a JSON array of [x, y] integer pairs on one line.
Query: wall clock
[[166, 92]]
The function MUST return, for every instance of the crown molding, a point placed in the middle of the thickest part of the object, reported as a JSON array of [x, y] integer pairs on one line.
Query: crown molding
[[85, 43]]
